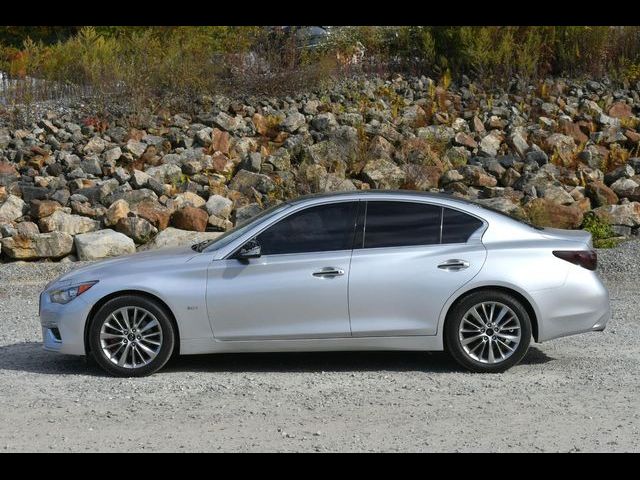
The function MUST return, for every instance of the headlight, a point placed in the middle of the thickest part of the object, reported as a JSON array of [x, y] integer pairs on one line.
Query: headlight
[[65, 295]]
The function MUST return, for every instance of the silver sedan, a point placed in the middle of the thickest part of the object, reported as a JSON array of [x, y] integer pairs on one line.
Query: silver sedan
[[351, 271]]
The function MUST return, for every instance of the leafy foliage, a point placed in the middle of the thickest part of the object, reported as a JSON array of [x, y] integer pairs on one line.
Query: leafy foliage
[[150, 66], [600, 230]]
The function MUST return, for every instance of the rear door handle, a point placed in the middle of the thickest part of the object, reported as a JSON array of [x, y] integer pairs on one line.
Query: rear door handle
[[454, 265], [329, 272]]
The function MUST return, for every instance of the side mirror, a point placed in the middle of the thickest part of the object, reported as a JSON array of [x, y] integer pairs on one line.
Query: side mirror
[[251, 249]]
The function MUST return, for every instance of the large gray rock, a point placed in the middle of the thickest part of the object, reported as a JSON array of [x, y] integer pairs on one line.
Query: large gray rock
[[188, 199], [65, 222], [293, 122], [102, 244], [324, 121], [627, 214], [247, 212], [244, 180], [95, 145], [174, 237], [139, 229], [167, 173], [39, 246], [383, 174], [12, 209], [557, 194], [335, 183], [437, 133], [219, 206], [504, 205], [625, 187], [135, 148], [519, 141], [139, 179], [229, 123], [112, 154]]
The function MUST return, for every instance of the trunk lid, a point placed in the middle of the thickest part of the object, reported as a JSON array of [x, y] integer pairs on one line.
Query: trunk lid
[[581, 236]]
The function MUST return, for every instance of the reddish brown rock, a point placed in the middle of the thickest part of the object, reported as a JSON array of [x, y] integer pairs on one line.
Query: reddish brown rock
[[220, 141], [37, 161], [43, 208], [574, 131], [586, 127], [222, 164], [620, 110], [632, 136], [260, 123], [562, 145], [190, 218], [600, 194], [478, 126], [422, 177], [135, 134], [152, 211], [477, 177], [466, 140], [7, 168]]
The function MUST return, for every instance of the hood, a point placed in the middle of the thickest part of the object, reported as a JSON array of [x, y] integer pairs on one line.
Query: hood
[[581, 236], [134, 262]]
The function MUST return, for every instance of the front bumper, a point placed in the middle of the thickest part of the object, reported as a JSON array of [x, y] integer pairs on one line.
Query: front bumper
[[63, 325]]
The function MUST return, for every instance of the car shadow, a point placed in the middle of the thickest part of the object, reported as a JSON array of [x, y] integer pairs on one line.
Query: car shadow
[[30, 357]]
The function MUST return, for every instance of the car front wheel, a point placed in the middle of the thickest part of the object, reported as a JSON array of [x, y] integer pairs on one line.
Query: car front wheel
[[488, 331], [131, 336]]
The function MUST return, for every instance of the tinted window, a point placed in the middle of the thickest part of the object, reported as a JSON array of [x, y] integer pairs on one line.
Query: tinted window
[[457, 227], [316, 229], [395, 224]]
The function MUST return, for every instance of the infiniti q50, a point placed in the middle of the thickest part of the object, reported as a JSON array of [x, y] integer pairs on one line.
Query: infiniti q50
[[349, 271]]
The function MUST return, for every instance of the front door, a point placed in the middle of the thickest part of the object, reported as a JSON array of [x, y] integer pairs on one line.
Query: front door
[[297, 288]]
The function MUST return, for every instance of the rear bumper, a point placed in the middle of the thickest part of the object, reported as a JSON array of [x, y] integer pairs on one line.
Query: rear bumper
[[581, 305]]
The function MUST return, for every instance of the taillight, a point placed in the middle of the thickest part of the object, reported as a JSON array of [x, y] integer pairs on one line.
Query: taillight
[[585, 258]]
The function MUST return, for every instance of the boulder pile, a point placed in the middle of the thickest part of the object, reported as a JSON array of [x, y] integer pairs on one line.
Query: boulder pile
[[76, 188]]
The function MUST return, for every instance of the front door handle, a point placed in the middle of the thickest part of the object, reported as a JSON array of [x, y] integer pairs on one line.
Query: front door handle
[[329, 272], [454, 265]]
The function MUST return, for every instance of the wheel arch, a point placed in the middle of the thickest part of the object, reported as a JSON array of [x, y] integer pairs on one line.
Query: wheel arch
[[520, 296], [140, 293]]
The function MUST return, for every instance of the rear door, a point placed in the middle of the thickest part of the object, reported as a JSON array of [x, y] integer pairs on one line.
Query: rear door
[[411, 258]]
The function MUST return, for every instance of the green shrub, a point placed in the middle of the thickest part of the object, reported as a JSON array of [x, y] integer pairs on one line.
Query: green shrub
[[149, 66], [600, 230]]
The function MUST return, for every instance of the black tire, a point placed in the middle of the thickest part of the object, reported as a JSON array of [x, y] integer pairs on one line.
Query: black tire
[[165, 325], [453, 342]]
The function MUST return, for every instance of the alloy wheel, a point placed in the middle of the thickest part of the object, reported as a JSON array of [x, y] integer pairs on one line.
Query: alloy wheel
[[131, 337], [490, 332]]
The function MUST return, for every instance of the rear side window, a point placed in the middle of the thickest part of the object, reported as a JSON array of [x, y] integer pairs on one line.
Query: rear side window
[[323, 228], [457, 227], [400, 224]]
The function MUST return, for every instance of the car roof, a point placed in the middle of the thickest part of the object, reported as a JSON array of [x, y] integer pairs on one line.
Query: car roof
[[390, 194], [484, 211]]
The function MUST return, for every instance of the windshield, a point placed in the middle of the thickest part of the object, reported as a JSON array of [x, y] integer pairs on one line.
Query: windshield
[[239, 230]]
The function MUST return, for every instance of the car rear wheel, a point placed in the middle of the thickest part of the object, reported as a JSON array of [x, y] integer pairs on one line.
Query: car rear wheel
[[131, 336], [488, 331]]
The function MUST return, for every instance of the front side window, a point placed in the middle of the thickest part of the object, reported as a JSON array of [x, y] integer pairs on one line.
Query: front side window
[[401, 224], [322, 228]]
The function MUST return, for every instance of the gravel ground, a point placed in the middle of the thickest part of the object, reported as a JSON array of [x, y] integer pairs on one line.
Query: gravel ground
[[573, 394]]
